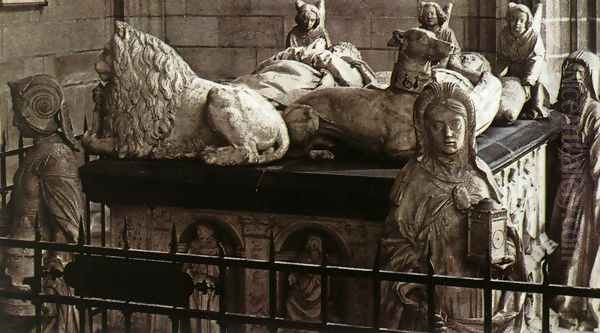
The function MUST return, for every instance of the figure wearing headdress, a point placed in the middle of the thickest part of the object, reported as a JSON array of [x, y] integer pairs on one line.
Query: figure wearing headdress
[[47, 193], [522, 55], [430, 200], [577, 205], [310, 27]]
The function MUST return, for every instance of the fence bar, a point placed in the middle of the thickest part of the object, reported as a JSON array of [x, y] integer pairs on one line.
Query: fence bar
[[20, 149], [3, 171], [376, 287], [487, 296], [430, 291], [37, 274], [102, 224], [174, 324], [104, 320], [127, 316], [272, 284], [222, 288], [324, 290], [82, 319], [545, 297]]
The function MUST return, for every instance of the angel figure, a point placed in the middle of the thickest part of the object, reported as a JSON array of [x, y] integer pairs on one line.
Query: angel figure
[[522, 55], [310, 26]]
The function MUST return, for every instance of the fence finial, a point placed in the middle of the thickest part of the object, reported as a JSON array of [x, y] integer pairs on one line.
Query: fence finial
[[173, 243], [271, 246], [377, 261], [124, 235], [36, 228], [81, 232]]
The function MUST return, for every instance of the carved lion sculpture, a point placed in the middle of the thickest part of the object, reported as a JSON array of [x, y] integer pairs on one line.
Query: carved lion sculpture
[[159, 109], [380, 122]]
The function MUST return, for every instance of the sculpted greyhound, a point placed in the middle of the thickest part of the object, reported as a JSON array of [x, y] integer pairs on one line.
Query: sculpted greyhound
[[380, 122]]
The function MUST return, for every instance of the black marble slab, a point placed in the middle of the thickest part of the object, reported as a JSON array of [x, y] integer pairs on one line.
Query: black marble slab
[[347, 188]]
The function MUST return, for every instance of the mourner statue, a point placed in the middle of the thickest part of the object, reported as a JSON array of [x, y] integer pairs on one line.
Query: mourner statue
[[577, 206], [521, 58], [310, 26], [47, 198], [431, 201]]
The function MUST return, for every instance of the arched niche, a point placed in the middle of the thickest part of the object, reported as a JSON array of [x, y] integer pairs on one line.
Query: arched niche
[[210, 236], [293, 244]]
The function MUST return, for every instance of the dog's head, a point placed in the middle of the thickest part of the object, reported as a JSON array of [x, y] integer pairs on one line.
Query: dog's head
[[420, 43]]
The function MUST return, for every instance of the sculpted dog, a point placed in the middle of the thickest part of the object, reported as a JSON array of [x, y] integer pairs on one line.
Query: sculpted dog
[[380, 122], [154, 106]]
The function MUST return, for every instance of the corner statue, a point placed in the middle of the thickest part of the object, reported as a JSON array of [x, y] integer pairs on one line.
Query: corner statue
[[159, 109], [430, 201], [577, 205], [521, 63], [47, 194]]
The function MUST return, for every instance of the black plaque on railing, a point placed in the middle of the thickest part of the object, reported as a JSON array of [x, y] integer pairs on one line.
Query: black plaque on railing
[[126, 279]]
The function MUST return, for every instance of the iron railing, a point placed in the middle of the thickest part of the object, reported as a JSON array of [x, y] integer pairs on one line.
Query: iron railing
[[273, 321]]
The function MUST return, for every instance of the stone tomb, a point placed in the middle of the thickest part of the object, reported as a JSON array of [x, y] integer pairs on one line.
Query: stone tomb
[[343, 203]]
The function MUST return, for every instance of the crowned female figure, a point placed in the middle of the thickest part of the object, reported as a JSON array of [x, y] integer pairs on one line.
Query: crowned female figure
[[427, 223]]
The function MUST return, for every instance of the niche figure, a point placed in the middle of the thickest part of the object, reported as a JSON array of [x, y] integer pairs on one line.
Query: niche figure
[[204, 241], [576, 208], [47, 193], [304, 292], [430, 201], [310, 26], [521, 57]]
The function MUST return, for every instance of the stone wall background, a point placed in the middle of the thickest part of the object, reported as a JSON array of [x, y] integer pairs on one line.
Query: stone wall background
[[62, 39]]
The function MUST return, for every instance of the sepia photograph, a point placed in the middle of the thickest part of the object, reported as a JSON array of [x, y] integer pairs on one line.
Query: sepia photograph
[[275, 166]]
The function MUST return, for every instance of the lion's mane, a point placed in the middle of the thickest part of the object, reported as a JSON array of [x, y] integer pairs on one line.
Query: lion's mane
[[149, 79]]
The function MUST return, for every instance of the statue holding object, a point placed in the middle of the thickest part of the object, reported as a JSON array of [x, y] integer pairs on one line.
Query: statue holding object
[[380, 122], [310, 26], [431, 204], [521, 63], [47, 199], [159, 108]]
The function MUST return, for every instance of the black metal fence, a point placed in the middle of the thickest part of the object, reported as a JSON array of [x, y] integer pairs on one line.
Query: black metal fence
[[226, 318]]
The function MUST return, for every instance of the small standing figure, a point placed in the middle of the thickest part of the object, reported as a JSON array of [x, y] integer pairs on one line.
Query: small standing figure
[[310, 27], [47, 194], [304, 293], [522, 55], [204, 242], [577, 205], [435, 19]]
